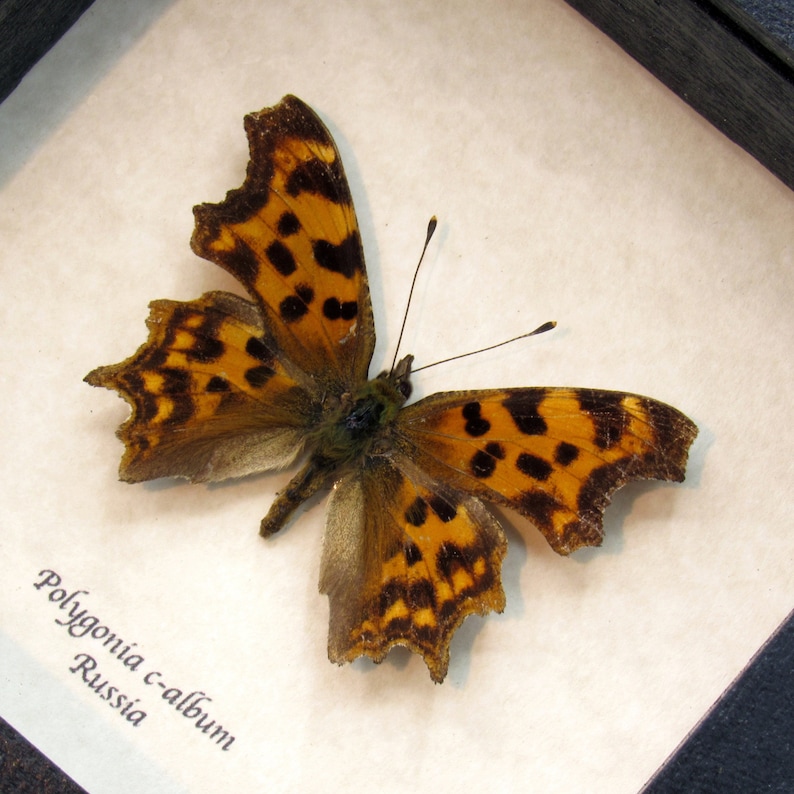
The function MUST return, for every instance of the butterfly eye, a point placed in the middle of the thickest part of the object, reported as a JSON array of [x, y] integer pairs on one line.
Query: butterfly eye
[[405, 388]]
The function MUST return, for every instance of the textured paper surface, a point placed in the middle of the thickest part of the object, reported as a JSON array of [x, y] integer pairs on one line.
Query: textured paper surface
[[570, 185]]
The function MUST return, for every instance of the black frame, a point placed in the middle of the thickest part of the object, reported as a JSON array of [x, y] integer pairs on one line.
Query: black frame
[[720, 60], [733, 70]]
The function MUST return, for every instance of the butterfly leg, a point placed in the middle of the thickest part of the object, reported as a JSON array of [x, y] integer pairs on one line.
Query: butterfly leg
[[310, 479]]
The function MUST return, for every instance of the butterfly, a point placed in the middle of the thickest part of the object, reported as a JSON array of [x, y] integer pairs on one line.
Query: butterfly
[[226, 387]]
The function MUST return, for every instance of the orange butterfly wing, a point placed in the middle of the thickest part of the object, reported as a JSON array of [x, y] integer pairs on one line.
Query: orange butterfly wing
[[410, 550], [225, 387], [405, 560], [290, 235], [555, 455], [209, 398]]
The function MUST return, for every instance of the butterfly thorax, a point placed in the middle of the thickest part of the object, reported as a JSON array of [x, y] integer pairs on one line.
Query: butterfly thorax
[[355, 421], [354, 425]]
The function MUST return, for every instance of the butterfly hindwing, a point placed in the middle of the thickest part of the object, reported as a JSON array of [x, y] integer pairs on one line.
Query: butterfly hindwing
[[405, 560], [290, 235], [555, 455], [209, 398]]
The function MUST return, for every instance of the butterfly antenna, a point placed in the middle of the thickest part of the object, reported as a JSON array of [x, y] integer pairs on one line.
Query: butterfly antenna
[[541, 329], [431, 227]]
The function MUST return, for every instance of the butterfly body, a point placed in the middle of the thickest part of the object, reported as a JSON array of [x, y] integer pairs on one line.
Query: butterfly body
[[353, 428], [226, 387]]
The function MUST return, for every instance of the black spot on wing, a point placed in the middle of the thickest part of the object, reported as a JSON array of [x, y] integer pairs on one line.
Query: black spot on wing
[[344, 258], [181, 317], [281, 258], [448, 610], [609, 417], [412, 554], [288, 224], [425, 636], [495, 450], [533, 466], [257, 349], [292, 308], [205, 348], [175, 381], [421, 594], [392, 592], [259, 376], [145, 401], [315, 176], [523, 409], [217, 384], [305, 293], [443, 507], [482, 465], [450, 557], [334, 309], [416, 514], [476, 424], [399, 626], [182, 410], [566, 453]]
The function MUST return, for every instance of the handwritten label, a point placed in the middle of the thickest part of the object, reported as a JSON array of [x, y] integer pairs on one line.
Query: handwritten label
[[103, 649]]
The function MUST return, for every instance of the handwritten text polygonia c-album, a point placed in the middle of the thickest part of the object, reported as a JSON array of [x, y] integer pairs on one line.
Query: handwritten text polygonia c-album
[[225, 387]]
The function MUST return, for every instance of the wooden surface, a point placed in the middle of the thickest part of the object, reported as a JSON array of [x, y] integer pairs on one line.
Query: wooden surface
[[745, 742], [717, 58], [28, 28], [24, 769]]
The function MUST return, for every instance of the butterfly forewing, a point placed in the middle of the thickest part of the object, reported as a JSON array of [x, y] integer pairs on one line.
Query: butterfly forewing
[[290, 235], [554, 455]]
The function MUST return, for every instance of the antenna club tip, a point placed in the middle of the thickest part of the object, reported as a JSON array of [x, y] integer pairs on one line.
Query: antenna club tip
[[541, 329]]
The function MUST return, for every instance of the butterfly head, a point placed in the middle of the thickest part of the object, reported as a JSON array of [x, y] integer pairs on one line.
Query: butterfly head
[[400, 377]]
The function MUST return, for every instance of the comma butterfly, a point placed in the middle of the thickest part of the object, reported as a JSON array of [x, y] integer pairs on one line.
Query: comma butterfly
[[226, 387]]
